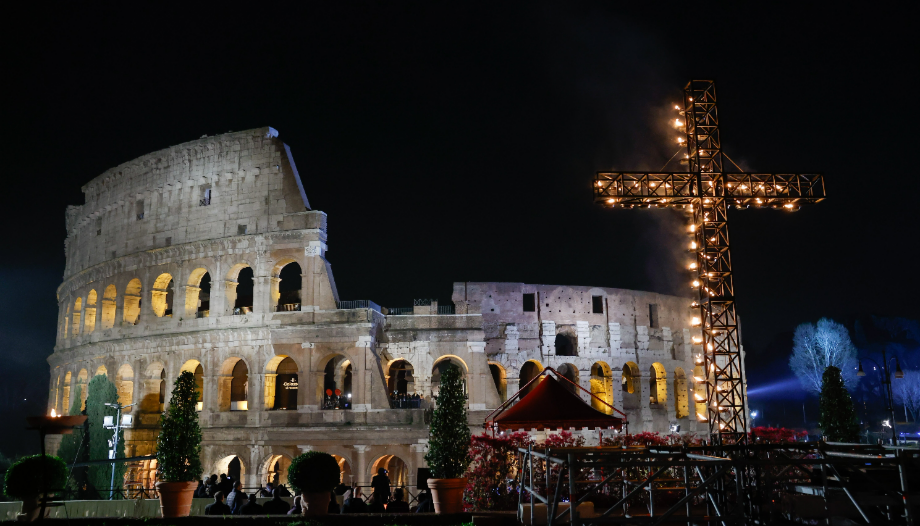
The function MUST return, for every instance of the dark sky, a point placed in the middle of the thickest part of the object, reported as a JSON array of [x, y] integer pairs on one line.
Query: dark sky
[[457, 142]]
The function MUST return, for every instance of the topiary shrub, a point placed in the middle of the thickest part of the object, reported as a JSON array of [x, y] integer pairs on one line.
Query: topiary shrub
[[31, 476], [313, 472], [179, 443], [449, 435]]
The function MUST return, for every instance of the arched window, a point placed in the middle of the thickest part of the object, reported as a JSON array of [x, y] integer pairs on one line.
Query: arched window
[[90, 324], [82, 379], [657, 386], [239, 387], [198, 294], [337, 383], [441, 366], [132, 301], [289, 284], [529, 371], [108, 307], [565, 345], [570, 373], [681, 402], [276, 472], [401, 379], [77, 313], [162, 296], [124, 382], [286, 385], [65, 405], [244, 292], [601, 387], [397, 469], [628, 381], [500, 380]]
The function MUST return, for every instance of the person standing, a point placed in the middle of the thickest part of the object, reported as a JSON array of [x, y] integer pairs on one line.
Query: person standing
[[236, 499], [381, 486]]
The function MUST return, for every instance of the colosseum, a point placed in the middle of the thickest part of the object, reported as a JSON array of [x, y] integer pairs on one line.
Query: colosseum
[[207, 257]]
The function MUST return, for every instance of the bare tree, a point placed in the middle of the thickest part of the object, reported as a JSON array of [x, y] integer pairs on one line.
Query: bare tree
[[815, 347], [907, 392]]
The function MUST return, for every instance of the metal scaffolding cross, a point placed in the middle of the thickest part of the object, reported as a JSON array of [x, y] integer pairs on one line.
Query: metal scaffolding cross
[[706, 191]]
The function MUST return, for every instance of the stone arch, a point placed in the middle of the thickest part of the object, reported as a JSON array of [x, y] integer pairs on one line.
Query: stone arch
[[124, 382], [630, 386], [681, 401], [398, 469], [657, 386], [286, 284], [195, 367], [132, 301], [565, 345], [500, 379], [231, 465], [162, 294], [65, 404], [345, 474], [274, 470], [601, 387], [108, 307], [281, 383], [233, 388], [89, 323], [439, 366], [570, 373], [77, 315], [198, 293], [530, 370], [337, 376], [82, 381], [154, 383], [101, 370], [400, 377], [240, 288]]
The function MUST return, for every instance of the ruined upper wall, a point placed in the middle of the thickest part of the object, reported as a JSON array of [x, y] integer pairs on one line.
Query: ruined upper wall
[[238, 183]]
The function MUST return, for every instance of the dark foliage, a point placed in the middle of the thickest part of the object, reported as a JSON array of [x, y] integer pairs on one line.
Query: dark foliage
[[31, 476], [313, 472], [99, 392], [179, 443], [449, 435], [838, 417]]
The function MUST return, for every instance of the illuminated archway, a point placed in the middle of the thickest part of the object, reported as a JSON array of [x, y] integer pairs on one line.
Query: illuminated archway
[[198, 294], [77, 315], [233, 387], [276, 470], [82, 380], [441, 365], [286, 284], [401, 378], [108, 307], [65, 404], [89, 325], [336, 390], [231, 465], [398, 470], [681, 401], [101, 370], [195, 367], [657, 386], [629, 385], [570, 373], [281, 383], [500, 379], [240, 288], [161, 297], [530, 370], [132, 301], [124, 382], [601, 387]]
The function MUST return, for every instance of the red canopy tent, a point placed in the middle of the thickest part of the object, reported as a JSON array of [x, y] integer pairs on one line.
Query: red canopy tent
[[550, 405]]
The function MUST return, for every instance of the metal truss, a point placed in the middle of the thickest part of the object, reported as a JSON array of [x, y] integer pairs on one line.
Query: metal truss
[[741, 484], [706, 192]]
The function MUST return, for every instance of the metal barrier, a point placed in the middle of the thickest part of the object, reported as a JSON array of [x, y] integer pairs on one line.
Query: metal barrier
[[358, 304], [753, 484]]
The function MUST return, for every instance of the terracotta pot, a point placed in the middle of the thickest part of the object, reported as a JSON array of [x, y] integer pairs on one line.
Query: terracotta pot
[[176, 498], [315, 504], [447, 494]]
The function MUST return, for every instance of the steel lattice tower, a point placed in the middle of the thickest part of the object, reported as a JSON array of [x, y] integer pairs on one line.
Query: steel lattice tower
[[706, 191]]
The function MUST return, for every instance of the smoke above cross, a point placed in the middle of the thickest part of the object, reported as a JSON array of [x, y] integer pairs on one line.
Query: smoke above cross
[[706, 191]]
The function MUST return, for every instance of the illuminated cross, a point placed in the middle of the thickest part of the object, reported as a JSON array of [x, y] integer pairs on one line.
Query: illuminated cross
[[706, 191]]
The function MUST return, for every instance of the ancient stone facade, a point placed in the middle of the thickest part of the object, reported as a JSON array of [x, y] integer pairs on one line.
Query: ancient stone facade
[[206, 257]]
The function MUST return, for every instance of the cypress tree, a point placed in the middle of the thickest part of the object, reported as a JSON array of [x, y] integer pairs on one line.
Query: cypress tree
[[449, 434], [74, 446], [101, 391], [179, 441], [838, 417]]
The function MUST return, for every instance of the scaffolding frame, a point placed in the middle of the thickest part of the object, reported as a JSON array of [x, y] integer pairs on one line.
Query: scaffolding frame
[[706, 191]]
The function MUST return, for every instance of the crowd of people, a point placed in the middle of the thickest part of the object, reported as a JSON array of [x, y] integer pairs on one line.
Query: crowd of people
[[229, 498], [406, 401]]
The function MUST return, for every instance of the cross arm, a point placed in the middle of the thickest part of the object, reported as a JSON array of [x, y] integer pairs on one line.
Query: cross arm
[[679, 189]]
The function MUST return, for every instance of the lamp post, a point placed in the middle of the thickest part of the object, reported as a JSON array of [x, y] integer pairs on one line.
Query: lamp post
[[898, 373], [115, 424]]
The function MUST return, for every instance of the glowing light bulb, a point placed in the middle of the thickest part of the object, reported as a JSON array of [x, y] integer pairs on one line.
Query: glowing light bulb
[[692, 266], [680, 140], [600, 183], [697, 340], [695, 321], [693, 228], [677, 122], [693, 245], [696, 283], [787, 205], [611, 200], [676, 107], [53, 413]]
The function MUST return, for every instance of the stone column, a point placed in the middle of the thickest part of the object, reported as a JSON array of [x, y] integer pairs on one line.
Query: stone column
[[361, 471], [229, 296], [119, 310], [261, 292], [270, 386], [191, 301], [583, 331], [548, 337], [317, 391]]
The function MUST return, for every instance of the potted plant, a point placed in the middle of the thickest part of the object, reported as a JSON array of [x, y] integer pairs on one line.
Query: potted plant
[[179, 449], [30, 478], [314, 474], [448, 444]]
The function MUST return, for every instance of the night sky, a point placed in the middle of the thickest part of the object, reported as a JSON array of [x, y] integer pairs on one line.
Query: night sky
[[458, 143]]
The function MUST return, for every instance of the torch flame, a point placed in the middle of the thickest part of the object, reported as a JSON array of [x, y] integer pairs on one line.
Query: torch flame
[[53, 414]]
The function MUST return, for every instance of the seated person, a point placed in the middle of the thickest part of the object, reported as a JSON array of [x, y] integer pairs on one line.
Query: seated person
[[217, 507], [252, 507], [398, 505], [276, 506]]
